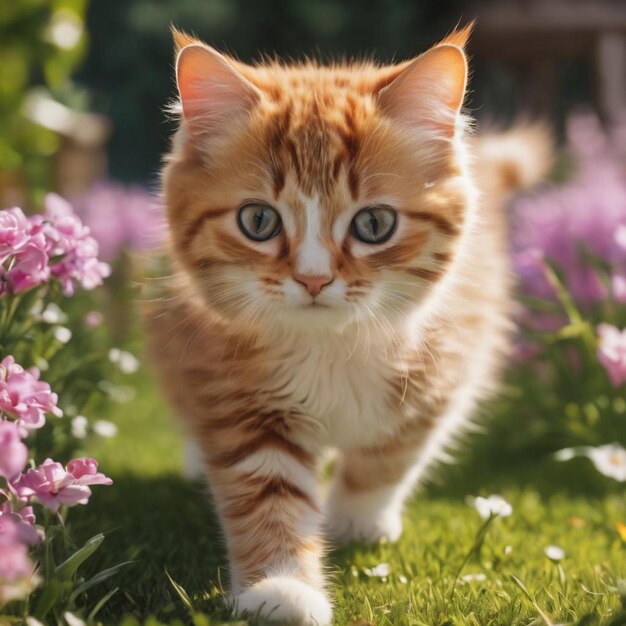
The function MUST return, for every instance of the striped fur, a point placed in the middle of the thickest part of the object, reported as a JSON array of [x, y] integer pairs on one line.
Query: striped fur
[[386, 364]]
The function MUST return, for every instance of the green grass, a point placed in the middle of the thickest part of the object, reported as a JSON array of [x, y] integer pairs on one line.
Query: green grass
[[165, 525]]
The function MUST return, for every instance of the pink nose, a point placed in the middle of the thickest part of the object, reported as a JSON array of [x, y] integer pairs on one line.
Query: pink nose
[[313, 284]]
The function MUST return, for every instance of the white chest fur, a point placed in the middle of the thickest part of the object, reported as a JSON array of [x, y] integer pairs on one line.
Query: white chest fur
[[342, 384]]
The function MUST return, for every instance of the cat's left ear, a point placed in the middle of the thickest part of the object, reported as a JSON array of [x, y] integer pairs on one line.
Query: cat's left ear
[[429, 91]]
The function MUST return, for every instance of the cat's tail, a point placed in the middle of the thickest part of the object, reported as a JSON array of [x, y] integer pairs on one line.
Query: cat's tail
[[515, 159]]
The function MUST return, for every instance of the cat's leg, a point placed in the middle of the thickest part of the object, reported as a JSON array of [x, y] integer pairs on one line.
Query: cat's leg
[[266, 493], [368, 490]]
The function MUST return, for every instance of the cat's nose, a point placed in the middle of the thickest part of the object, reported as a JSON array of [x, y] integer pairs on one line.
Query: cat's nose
[[313, 283]]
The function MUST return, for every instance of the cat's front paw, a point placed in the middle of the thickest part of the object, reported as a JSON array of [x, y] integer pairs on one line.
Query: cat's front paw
[[286, 600], [367, 516]]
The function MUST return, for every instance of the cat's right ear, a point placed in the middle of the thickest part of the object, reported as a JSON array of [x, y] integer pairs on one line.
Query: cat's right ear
[[211, 89]]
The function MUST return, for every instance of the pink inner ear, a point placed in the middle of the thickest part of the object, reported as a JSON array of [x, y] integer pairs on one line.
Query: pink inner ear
[[430, 91], [210, 88]]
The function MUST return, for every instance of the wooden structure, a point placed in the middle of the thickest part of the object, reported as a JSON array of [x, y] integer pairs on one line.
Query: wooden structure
[[533, 37]]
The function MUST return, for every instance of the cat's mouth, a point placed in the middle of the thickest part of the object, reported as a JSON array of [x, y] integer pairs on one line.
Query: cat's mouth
[[315, 305]]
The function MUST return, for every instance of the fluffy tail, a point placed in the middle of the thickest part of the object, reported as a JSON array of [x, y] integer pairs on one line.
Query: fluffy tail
[[514, 159]]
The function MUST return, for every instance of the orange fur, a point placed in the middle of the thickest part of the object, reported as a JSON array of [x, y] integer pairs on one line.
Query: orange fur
[[385, 363]]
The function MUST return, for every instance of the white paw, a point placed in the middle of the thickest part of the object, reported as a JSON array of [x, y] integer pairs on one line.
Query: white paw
[[285, 599], [363, 516], [344, 526]]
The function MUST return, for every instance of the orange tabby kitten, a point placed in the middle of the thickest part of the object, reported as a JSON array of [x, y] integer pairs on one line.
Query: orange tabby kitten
[[339, 283]]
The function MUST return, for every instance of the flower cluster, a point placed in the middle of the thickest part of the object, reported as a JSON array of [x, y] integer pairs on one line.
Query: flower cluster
[[121, 218], [566, 223], [35, 249], [25, 397], [24, 402], [569, 242]]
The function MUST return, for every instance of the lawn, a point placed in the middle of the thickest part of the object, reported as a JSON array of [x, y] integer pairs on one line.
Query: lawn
[[163, 523]]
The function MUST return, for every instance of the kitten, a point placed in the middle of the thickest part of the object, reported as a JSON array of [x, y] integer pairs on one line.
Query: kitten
[[338, 283]]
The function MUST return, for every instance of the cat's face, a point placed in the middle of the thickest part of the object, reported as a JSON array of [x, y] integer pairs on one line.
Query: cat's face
[[315, 196]]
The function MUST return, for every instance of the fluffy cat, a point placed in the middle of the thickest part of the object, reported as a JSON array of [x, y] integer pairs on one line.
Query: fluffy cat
[[339, 283]]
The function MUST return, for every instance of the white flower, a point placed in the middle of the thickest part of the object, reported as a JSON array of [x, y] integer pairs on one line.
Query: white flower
[[72, 620], [41, 364], [493, 505], [118, 393], [104, 428], [79, 427], [554, 553], [62, 334], [380, 571], [508, 550], [609, 459], [127, 362], [478, 577], [403, 579], [52, 314], [566, 454]]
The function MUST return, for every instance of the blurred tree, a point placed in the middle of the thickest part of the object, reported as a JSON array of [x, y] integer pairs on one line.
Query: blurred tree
[[41, 43]]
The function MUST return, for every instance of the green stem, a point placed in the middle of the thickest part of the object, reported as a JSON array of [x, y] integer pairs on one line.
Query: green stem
[[478, 542]]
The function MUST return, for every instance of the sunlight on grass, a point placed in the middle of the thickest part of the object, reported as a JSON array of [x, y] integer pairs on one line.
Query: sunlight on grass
[[165, 524]]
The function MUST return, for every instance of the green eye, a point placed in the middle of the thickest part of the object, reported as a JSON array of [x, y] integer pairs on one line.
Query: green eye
[[374, 224], [259, 222]]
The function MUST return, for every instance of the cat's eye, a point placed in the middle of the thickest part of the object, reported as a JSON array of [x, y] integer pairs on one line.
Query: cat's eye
[[259, 221], [374, 224]]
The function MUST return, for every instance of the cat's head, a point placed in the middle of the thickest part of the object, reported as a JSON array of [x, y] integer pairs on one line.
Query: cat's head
[[310, 195]]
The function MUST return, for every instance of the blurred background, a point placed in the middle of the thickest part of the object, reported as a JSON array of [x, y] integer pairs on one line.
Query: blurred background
[[83, 90], [86, 82]]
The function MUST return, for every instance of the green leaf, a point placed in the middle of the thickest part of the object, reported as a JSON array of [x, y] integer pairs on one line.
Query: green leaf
[[182, 594], [98, 578], [67, 569], [101, 603], [52, 593]]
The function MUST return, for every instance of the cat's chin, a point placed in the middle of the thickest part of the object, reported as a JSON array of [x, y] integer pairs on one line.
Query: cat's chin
[[314, 317]]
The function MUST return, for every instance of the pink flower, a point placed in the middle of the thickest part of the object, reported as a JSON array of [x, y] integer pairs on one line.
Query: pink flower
[[14, 229], [93, 319], [612, 352], [53, 485], [72, 241], [13, 453], [14, 561], [56, 244], [29, 266], [618, 287], [24, 530], [85, 470], [24, 396]]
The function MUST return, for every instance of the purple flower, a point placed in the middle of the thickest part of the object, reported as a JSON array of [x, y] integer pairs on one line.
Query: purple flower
[[24, 396], [612, 352], [13, 453], [53, 485], [588, 213], [122, 218]]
